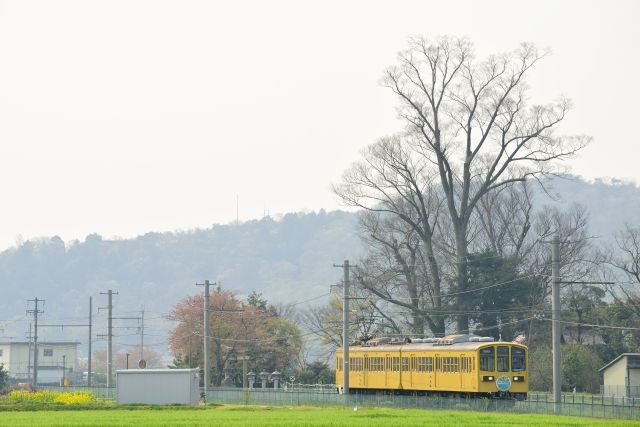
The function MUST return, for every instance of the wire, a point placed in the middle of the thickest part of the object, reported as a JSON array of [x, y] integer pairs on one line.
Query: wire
[[626, 328]]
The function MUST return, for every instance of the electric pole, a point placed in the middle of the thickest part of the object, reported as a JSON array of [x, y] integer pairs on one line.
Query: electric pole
[[345, 327], [35, 312], [64, 370], [556, 311], [90, 326], [555, 319], [205, 338], [142, 334], [29, 357], [109, 307], [62, 326]]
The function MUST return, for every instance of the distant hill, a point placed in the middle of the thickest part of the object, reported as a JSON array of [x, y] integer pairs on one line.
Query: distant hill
[[610, 202], [289, 259]]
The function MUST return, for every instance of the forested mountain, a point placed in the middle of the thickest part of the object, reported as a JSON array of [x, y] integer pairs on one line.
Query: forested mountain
[[610, 202], [289, 259]]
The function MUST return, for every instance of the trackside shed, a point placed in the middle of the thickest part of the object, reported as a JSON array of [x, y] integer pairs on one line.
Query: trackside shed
[[158, 386], [622, 376]]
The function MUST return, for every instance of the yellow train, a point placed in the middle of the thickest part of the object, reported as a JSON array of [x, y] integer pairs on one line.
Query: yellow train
[[456, 365]]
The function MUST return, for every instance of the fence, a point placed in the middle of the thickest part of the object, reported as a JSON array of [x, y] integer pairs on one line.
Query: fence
[[596, 406], [583, 406], [629, 391]]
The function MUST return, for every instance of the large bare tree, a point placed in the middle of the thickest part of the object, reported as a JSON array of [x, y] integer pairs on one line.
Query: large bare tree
[[468, 124], [395, 188]]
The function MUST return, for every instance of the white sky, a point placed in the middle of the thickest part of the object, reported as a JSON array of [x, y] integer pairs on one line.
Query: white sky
[[122, 117]]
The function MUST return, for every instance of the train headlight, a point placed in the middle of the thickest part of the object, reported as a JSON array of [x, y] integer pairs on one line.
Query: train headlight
[[518, 379], [488, 378]]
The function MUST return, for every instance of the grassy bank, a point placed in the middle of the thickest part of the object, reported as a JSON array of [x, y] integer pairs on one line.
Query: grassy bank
[[230, 415]]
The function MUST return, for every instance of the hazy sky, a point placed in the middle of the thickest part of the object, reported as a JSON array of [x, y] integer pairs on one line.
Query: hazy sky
[[122, 117]]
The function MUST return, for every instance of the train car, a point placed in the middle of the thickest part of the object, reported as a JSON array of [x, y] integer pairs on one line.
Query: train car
[[457, 365]]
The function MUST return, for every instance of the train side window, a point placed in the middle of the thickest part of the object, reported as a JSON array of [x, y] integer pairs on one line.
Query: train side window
[[446, 364], [339, 364], [487, 359], [517, 359], [503, 358], [395, 364], [405, 364], [429, 364]]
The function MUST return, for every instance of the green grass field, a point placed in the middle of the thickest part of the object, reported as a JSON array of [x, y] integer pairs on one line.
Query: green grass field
[[229, 415]]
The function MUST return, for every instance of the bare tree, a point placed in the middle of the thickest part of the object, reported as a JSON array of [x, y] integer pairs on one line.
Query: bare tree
[[392, 184], [627, 261], [504, 218], [369, 319], [629, 244], [394, 270], [470, 121]]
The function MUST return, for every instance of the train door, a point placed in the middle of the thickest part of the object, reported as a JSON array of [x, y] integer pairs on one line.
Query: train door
[[365, 371], [387, 371], [466, 372], [437, 369], [405, 371], [413, 383]]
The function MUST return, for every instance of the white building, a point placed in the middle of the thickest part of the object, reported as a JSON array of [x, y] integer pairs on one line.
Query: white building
[[622, 376], [53, 359]]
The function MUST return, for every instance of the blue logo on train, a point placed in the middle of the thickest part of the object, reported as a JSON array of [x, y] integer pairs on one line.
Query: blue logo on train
[[503, 383]]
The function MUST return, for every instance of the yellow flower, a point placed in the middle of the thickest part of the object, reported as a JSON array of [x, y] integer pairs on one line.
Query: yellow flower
[[50, 396]]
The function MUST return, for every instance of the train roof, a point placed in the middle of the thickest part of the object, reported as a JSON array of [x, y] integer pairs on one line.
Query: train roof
[[460, 342], [429, 346]]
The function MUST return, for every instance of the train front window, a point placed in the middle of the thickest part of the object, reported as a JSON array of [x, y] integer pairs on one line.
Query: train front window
[[517, 359], [486, 359], [503, 358]]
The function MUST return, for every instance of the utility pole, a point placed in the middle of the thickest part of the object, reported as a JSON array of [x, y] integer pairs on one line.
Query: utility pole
[[62, 326], [90, 326], [555, 318], [556, 311], [109, 307], [142, 334], [205, 338], [64, 370], [345, 327], [29, 357], [35, 312]]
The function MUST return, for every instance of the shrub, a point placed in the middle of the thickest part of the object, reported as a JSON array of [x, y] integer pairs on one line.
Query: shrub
[[49, 396]]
